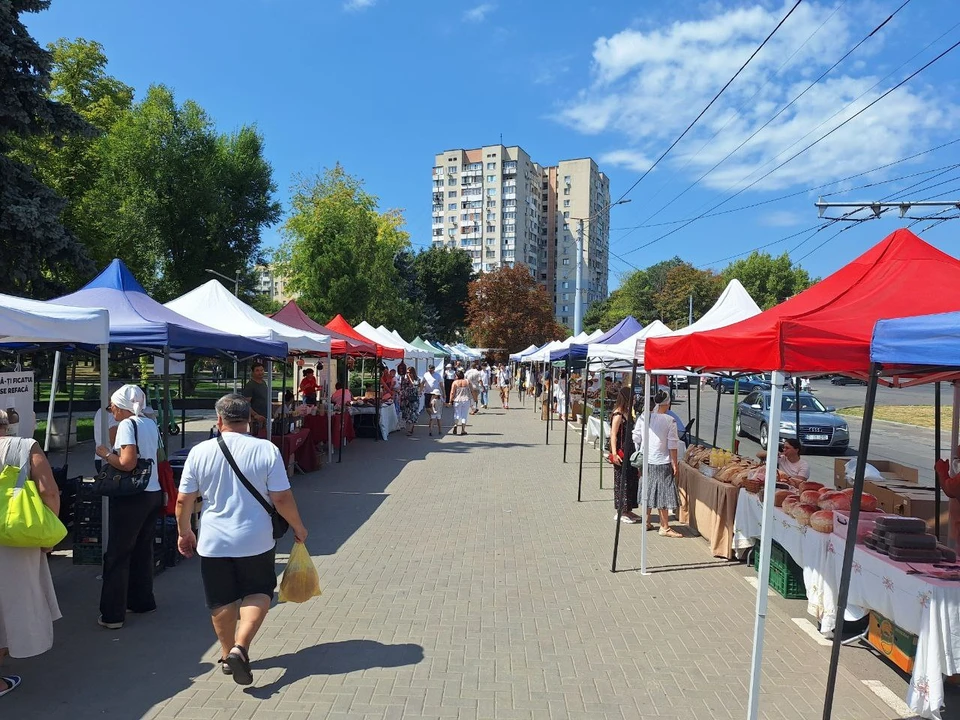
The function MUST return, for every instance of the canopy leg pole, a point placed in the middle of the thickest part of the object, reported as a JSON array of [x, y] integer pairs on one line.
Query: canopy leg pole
[[766, 542], [270, 400], [104, 433], [329, 398], [73, 386], [645, 470], [796, 395], [548, 404], [625, 463], [566, 415], [936, 456], [235, 369], [699, 416], [343, 406], [689, 404], [954, 442], [165, 410], [716, 417], [849, 545], [603, 407], [183, 414], [283, 403], [736, 411], [583, 433], [53, 397]]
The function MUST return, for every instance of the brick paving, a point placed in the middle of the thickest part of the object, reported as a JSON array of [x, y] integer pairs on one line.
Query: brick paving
[[461, 580]]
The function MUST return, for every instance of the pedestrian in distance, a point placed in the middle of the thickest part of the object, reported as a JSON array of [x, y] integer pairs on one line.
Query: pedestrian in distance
[[475, 378], [625, 475], [460, 397], [128, 562], [504, 381], [308, 387], [236, 545], [661, 462], [258, 395]]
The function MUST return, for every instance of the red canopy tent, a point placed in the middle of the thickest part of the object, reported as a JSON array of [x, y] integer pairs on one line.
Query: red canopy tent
[[340, 344], [828, 327], [342, 327]]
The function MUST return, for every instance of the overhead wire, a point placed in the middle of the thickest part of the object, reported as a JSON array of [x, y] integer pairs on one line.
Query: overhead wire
[[710, 104], [784, 108], [805, 149]]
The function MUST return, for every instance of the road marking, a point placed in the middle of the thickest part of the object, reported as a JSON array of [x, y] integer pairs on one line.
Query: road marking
[[890, 698], [752, 579], [810, 629]]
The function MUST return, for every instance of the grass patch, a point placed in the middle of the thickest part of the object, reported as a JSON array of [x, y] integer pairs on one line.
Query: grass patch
[[84, 430], [918, 415]]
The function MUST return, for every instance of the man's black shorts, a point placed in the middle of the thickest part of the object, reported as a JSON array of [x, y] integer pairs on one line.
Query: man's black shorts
[[226, 580]]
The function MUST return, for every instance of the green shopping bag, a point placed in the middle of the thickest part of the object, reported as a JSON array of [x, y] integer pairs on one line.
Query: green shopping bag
[[24, 520]]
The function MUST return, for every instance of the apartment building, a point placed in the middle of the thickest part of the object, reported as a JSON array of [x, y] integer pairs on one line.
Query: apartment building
[[500, 206], [273, 284]]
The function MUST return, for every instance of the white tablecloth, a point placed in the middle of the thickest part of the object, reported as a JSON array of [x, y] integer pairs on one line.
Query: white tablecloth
[[926, 607], [593, 429], [389, 420]]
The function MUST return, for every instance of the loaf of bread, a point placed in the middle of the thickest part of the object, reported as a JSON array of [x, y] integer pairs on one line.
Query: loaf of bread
[[811, 497], [822, 521], [789, 503], [802, 512]]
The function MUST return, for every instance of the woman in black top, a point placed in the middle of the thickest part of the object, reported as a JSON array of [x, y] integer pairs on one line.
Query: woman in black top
[[626, 478]]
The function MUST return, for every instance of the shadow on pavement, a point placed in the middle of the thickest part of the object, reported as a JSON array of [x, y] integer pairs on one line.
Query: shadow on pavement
[[334, 658]]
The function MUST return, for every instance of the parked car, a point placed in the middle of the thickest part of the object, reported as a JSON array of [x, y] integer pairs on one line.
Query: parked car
[[844, 380], [748, 383], [679, 382], [820, 427]]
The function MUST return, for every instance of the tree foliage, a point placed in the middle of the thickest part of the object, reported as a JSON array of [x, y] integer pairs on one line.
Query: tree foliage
[[37, 247], [507, 309], [769, 280], [443, 277]]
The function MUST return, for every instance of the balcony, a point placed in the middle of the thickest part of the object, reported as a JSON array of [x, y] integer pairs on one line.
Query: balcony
[[509, 168]]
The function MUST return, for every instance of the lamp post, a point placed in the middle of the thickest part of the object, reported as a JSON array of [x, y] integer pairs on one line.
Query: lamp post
[[578, 299], [236, 292]]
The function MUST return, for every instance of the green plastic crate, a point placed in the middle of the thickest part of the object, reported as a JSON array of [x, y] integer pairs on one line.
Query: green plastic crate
[[786, 577], [87, 554]]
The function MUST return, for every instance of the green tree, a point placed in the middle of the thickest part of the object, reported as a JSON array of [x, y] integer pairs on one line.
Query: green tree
[[341, 254], [507, 310], [443, 277], [37, 247], [174, 197], [682, 282], [769, 280]]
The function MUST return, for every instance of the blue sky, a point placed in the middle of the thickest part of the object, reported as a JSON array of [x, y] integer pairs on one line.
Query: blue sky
[[382, 85]]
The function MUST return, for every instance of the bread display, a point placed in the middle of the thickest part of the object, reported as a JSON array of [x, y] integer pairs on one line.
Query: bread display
[[834, 501], [822, 521], [808, 485], [802, 512], [811, 497], [789, 503]]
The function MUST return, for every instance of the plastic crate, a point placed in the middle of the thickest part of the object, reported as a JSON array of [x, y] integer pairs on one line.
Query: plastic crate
[[786, 577], [87, 554]]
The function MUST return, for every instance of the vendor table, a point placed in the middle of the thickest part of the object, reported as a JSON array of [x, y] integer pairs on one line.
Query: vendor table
[[295, 445], [389, 420], [924, 606], [593, 429], [317, 424], [709, 507]]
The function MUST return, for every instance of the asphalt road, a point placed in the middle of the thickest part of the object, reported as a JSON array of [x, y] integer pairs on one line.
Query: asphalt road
[[889, 441]]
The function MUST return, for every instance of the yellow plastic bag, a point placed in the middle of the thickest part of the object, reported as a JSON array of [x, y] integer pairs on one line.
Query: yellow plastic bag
[[24, 520], [300, 580]]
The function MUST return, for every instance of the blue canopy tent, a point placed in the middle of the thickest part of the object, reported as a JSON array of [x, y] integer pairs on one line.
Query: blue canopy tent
[[618, 333], [139, 322]]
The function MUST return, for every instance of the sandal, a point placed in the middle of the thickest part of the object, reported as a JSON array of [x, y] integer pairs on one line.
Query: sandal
[[669, 532], [12, 681], [239, 664], [224, 668], [649, 526]]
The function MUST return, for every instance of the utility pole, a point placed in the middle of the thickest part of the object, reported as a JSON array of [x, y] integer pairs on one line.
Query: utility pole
[[690, 313], [578, 300]]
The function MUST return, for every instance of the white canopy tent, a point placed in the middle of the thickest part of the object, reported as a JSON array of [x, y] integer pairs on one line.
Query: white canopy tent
[[543, 355], [410, 351], [620, 355], [515, 357]]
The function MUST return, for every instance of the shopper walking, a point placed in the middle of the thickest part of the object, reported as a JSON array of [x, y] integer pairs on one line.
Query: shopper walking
[[661, 461], [560, 394], [625, 475], [504, 380], [485, 387], [460, 399], [258, 395], [128, 562], [449, 375], [410, 399], [236, 546], [475, 378], [28, 603]]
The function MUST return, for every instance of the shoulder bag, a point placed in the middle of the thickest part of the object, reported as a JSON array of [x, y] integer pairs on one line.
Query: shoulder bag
[[280, 525], [112, 482], [25, 522]]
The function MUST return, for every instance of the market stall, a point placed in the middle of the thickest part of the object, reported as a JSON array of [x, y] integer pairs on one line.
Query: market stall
[[708, 507], [824, 329]]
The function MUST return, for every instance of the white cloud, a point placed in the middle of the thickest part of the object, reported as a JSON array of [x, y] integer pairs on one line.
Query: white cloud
[[358, 4], [782, 218], [649, 84], [479, 13], [629, 159]]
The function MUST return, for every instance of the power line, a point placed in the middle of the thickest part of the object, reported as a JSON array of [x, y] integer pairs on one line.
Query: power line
[[806, 148], [709, 104], [813, 189], [784, 108]]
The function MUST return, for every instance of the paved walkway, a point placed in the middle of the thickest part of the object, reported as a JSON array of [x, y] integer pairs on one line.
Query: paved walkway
[[461, 580]]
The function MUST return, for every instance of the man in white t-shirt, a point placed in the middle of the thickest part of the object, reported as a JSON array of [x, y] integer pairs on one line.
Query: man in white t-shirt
[[475, 378], [236, 546], [485, 387]]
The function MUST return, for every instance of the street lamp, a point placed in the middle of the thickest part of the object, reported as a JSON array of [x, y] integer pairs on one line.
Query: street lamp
[[578, 300], [234, 280]]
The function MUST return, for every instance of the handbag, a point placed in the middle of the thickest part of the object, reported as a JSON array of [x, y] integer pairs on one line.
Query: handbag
[[280, 525], [112, 482], [25, 522]]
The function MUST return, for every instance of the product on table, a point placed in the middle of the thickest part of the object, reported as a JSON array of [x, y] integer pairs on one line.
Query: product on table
[[789, 503], [822, 521], [911, 540], [802, 512], [782, 495], [948, 554], [810, 496], [834, 501], [810, 485], [896, 523], [914, 555], [824, 490]]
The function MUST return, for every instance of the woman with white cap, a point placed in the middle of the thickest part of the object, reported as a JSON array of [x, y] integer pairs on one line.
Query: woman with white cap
[[128, 563]]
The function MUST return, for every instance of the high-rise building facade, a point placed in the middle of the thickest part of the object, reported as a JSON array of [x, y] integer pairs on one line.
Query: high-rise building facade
[[503, 208]]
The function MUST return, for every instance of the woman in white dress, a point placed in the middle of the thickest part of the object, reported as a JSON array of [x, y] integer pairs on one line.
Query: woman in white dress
[[560, 395], [28, 603]]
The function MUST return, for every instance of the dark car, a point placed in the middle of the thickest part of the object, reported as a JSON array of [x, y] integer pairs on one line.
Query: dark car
[[820, 427], [748, 383], [844, 380]]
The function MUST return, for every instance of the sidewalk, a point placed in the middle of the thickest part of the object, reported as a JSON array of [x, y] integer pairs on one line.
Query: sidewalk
[[461, 580]]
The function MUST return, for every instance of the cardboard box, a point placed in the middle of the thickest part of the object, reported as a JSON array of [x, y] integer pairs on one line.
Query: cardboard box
[[895, 643], [900, 494]]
